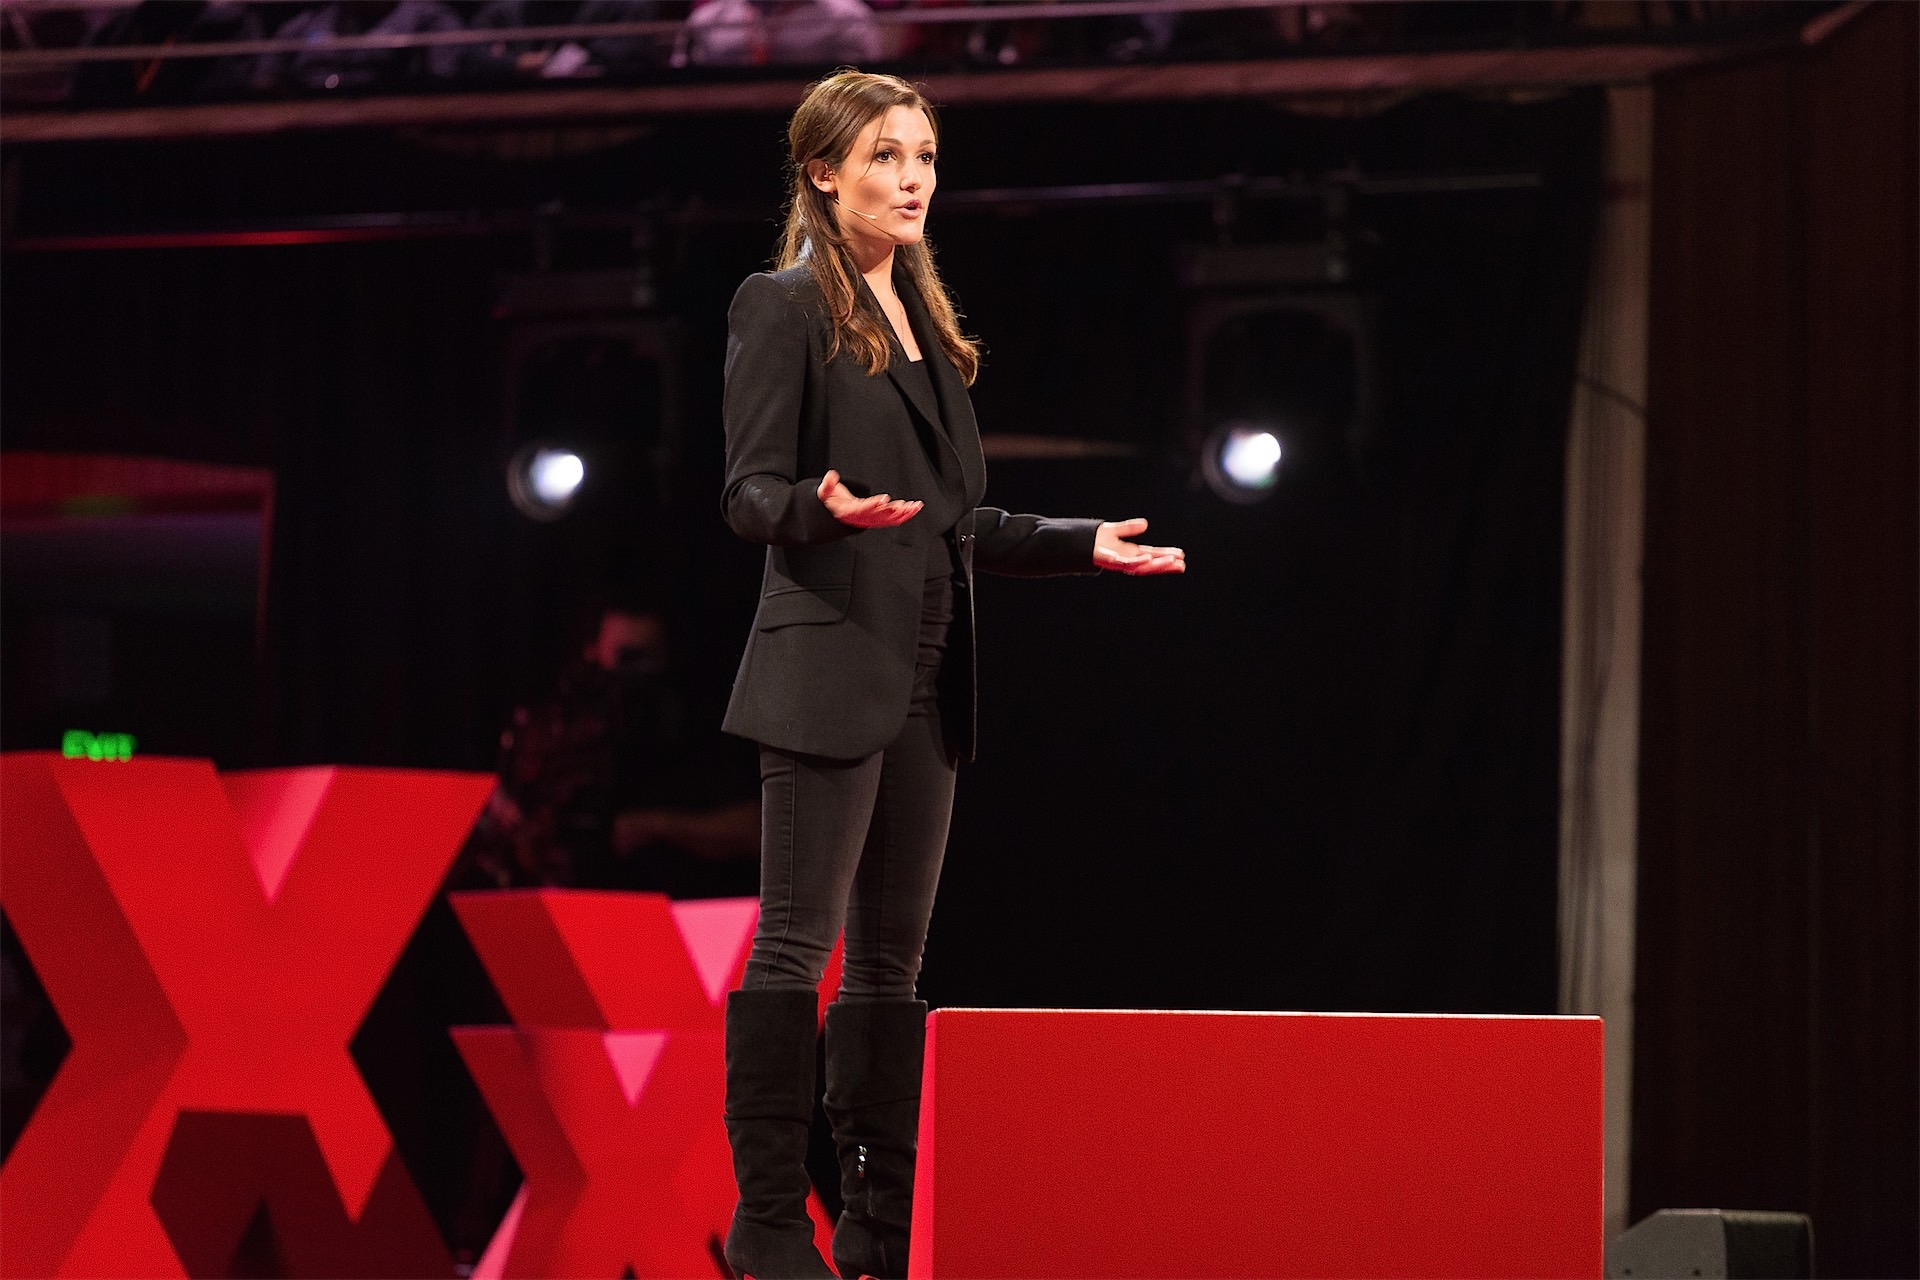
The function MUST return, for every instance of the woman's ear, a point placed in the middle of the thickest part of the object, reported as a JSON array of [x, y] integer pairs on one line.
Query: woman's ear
[[821, 176]]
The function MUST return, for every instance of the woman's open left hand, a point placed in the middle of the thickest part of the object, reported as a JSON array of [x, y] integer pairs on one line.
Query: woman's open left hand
[[1111, 550]]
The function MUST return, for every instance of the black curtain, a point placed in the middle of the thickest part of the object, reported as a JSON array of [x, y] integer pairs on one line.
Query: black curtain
[[1777, 1019], [362, 376], [1321, 769]]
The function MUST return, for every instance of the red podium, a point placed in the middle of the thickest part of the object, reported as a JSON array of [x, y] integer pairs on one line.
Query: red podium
[[1111, 1144]]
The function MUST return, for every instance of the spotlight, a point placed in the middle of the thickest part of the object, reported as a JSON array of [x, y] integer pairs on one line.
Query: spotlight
[[544, 479], [1241, 461]]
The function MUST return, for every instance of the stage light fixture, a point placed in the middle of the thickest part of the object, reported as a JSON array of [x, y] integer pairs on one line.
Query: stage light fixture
[[544, 479], [1281, 358], [1241, 461]]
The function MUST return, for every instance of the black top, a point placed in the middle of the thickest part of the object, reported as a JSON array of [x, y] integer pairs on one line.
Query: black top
[[914, 384], [936, 608], [916, 372]]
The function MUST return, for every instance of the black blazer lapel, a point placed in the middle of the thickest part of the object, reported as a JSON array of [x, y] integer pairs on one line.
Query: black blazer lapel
[[955, 420], [903, 286]]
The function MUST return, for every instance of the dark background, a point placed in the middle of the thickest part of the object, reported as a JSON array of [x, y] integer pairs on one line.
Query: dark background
[[1339, 729]]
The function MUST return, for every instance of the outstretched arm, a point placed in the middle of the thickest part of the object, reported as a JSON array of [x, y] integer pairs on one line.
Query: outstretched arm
[[1037, 546], [1031, 546]]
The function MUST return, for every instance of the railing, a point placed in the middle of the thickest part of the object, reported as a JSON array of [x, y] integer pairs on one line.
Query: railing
[[114, 54]]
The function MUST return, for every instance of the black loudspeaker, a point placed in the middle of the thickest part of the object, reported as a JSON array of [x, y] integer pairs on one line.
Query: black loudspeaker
[[1728, 1244]]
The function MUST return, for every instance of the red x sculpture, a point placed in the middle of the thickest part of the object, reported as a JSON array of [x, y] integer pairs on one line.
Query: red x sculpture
[[211, 944], [609, 1088]]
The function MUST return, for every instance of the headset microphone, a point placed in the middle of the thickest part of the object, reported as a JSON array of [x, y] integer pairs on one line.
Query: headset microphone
[[874, 218], [870, 217]]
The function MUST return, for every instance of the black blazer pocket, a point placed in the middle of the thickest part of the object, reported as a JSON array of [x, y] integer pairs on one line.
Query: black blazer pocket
[[799, 606], [806, 585], [819, 568]]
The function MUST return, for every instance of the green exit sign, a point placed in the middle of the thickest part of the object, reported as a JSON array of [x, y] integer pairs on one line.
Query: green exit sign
[[78, 744]]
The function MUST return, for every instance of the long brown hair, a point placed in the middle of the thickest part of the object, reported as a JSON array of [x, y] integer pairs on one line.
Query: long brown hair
[[824, 127]]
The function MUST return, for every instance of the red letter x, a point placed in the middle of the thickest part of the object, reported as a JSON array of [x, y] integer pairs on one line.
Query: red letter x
[[610, 1088], [211, 944]]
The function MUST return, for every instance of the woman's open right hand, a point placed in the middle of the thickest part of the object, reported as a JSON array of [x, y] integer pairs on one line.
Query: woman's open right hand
[[876, 512]]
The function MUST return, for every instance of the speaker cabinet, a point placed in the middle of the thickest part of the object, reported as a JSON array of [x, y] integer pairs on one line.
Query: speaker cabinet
[[1714, 1244]]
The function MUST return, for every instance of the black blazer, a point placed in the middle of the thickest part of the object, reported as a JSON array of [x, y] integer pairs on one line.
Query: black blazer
[[828, 669]]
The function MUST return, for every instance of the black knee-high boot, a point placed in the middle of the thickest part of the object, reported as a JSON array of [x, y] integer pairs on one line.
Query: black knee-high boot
[[875, 1049], [770, 1046]]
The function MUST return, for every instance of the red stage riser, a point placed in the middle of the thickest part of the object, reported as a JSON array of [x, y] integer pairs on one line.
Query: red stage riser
[[1135, 1144], [211, 945]]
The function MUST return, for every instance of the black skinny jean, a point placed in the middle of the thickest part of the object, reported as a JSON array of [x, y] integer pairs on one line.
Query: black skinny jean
[[857, 843]]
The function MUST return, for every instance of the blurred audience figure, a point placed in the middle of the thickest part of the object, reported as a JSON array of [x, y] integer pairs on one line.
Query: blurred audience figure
[[622, 55], [336, 70], [549, 59], [745, 33], [503, 58], [618, 779], [615, 781]]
